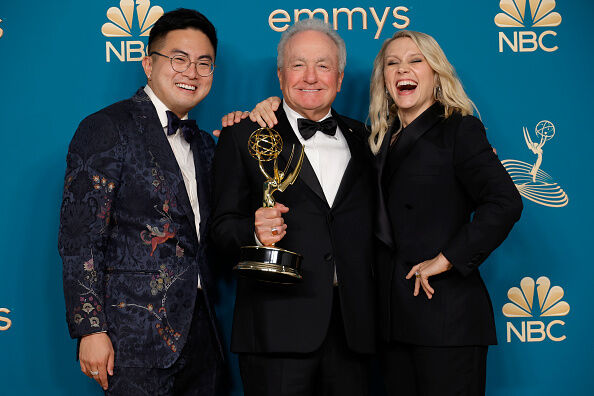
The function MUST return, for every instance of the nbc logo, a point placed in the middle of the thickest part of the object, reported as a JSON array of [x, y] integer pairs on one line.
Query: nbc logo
[[532, 182], [522, 305], [527, 14], [122, 24]]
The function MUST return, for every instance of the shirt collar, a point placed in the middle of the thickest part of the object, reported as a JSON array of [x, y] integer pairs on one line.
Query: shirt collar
[[292, 116], [159, 106]]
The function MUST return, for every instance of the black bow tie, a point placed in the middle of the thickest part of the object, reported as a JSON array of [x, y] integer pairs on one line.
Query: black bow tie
[[188, 127], [308, 128]]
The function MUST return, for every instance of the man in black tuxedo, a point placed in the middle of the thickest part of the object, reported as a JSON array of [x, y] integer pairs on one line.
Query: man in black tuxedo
[[133, 221], [312, 337]]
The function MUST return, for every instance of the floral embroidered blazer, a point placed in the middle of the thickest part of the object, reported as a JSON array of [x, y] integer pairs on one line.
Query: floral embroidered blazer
[[131, 257]]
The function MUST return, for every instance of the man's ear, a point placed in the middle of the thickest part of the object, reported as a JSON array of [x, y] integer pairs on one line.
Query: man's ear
[[279, 73], [147, 65], [340, 77]]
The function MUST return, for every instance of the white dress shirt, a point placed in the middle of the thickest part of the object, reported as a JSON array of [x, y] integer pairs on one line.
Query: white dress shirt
[[328, 156], [184, 157]]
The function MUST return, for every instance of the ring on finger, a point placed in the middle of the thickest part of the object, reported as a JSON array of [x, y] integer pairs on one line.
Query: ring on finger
[[274, 231], [417, 274], [94, 372]]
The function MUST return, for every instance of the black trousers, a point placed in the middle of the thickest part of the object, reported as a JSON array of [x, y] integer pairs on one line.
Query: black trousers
[[331, 370], [195, 372], [412, 370]]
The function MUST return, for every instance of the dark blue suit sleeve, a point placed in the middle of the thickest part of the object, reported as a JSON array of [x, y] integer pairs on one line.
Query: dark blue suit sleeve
[[93, 168]]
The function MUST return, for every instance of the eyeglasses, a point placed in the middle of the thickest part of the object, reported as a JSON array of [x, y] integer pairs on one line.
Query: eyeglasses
[[181, 63]]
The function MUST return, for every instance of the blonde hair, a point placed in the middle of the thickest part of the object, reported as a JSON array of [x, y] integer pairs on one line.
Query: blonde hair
[[382, 109]]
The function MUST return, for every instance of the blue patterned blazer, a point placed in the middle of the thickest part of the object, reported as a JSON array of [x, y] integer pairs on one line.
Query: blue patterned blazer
[[131, 257]]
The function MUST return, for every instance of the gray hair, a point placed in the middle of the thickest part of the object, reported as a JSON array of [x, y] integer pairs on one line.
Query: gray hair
[[311, 24]]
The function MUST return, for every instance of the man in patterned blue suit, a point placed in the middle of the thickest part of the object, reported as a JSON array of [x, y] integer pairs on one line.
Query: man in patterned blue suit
[[133, 222]]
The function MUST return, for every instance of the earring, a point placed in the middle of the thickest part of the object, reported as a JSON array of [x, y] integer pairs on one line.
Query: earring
[[437, 92]]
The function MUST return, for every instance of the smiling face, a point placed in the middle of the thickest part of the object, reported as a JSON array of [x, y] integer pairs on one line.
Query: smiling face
[[180, 92], [309, 77], [409, 79]]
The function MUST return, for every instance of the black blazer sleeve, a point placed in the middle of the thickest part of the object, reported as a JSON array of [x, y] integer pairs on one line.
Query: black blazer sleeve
[[233, 212], [497, 203]]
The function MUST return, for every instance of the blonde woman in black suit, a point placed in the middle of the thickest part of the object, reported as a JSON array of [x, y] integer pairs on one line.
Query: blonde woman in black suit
[[446, 204]]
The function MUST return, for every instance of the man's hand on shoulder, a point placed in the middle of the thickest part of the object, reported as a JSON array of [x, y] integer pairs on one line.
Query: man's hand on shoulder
[[230, 119], [263, 114], [96, 357]]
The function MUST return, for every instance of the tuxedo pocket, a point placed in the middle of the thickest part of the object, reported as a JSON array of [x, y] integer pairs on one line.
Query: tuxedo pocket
[[146, 299], [132, 292], [111, 270]]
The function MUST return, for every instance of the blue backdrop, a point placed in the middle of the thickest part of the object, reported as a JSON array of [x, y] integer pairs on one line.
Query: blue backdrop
[[527, 64]]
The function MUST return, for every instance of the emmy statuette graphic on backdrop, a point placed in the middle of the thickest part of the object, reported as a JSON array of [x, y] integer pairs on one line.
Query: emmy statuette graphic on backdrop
[[532, 182], [270, 263]]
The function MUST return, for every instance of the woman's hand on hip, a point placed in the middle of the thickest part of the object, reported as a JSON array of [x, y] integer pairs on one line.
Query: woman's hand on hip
[[424, 270]]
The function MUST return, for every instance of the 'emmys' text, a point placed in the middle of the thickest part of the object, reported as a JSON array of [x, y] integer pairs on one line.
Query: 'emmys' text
[[7, 322], [279, 20]]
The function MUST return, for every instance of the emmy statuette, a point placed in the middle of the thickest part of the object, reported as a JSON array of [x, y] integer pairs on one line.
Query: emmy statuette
[[269, 263]]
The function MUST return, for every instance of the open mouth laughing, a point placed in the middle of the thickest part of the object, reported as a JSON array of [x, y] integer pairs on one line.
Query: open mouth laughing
[[405, 87]]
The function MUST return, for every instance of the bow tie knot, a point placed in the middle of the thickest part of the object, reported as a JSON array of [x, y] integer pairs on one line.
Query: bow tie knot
[[188, 128], [308, 128]]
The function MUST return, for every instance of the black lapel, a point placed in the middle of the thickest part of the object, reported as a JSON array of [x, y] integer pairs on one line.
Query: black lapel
[[411, 134], [149, 126], [358, 149], [382, 155], [307, 174], [383, 230]]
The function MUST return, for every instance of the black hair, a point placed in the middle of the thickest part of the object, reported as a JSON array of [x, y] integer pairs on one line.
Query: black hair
[[182, 18]]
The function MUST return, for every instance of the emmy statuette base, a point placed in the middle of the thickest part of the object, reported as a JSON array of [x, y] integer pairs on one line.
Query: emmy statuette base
[[269, 264]]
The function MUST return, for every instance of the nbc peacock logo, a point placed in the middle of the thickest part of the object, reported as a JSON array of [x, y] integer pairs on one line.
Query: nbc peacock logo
[[122, 19], [528, 14], [532, 182], [540, 15], [523, 305], [132, 18]]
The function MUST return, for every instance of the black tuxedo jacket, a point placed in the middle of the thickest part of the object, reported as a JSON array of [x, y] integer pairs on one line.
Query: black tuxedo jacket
[[128, 242], [444, 191], [280, 318]]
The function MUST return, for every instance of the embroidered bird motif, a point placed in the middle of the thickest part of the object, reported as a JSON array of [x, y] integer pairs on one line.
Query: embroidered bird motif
[[156, 236]]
